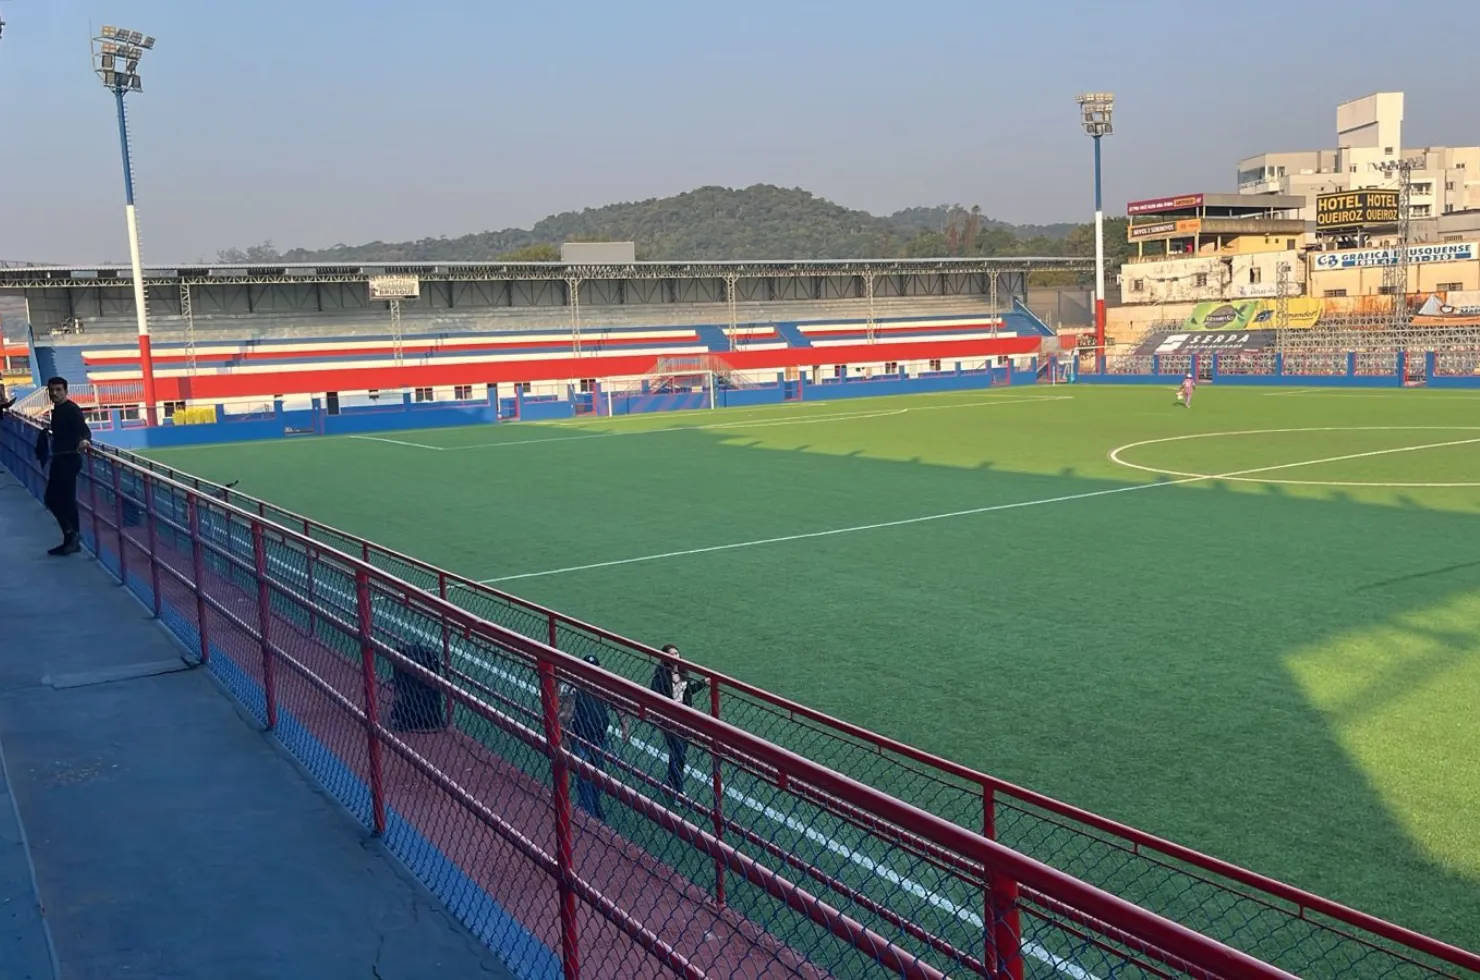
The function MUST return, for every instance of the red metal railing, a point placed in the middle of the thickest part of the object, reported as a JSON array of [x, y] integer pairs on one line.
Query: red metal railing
[[919, 895], [474, 793], [1296, 930]]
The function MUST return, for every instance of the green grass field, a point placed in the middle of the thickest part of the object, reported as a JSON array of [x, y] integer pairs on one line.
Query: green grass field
[[1252, 627]]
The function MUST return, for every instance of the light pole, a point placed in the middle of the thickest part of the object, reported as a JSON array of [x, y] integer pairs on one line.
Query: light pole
[[1095, 109], [116, 55]]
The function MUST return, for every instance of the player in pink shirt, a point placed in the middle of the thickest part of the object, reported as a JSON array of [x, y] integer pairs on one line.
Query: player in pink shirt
[[1184, 393]]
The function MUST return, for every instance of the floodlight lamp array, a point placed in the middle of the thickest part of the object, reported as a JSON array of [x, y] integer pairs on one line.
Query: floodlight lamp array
[[1096, 111], [115, 45], [111, 33]]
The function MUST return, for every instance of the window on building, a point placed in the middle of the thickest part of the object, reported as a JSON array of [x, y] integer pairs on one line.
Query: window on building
[[1290, 244], [935, 365], [1450, 287], [1138, 285], [463, 393], [1330, 293], [1256, 274], [1424, 189], [1448, 208], [524, 387], [1421, 210], [587, 385], [423, 394], [1200, 280], [170, 408], [840, 370], [1387, 150], [891, 367], [1386, 290]]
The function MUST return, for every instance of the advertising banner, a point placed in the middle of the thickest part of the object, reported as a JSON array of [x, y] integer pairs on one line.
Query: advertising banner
[[1362, 258], [1351, 210], [1243, 315], [1164, 229], [1157, 205], [1167, 342], [1453, 308]]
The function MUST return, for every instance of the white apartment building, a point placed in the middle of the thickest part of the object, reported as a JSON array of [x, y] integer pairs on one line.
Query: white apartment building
[[1369, 132]]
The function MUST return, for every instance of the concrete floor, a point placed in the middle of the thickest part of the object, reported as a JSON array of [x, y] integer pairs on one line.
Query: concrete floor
[[166, 836]]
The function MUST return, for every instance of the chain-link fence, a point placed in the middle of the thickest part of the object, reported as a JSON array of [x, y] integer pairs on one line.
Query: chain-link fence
[[656, 834], [579, 823]]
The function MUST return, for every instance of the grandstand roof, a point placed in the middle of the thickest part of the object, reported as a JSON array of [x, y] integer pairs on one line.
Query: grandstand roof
[[40, 277]]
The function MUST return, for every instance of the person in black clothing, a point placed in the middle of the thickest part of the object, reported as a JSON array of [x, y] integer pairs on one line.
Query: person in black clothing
[[671, 680], [5, 402], [588, 719], [70, 438]]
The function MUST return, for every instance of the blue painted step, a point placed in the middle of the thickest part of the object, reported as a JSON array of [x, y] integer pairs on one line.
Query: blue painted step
[[793, 335]]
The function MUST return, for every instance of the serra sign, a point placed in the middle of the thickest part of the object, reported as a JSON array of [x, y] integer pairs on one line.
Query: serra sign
[[1356, 209]]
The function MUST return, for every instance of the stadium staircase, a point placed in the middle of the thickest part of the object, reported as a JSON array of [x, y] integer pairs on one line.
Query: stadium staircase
[[1025, 321], [792, 334]]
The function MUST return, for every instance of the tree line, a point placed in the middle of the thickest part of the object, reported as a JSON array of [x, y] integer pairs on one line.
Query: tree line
[[717, 223]]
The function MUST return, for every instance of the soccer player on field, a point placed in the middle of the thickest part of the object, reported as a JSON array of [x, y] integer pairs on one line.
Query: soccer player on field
[[1184, 393]]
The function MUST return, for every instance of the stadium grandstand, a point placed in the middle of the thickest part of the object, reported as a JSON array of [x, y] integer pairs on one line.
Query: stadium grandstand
[[232, 334]]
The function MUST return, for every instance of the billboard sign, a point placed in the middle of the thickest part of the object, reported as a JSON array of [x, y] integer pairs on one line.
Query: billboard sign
[[1158, 205], [1352, 210], [1193, 343], [1244, 315], [1163, 229], [1363, 258], [1450, 308]]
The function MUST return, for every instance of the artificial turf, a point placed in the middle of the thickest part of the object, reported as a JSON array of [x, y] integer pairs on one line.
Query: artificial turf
[[1282, 674]]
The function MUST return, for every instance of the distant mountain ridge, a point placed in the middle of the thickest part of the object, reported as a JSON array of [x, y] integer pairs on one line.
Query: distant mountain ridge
[[714, 223]]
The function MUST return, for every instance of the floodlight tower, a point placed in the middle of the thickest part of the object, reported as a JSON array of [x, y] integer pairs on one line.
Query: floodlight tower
[[1095, 110], [116, 55]]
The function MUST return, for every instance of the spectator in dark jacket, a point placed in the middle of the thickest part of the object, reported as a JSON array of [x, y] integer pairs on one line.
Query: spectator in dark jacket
[[70, 438], [671, 680], [587, 719]]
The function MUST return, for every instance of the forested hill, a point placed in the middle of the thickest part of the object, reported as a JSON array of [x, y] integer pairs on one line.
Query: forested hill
[[759, 222]]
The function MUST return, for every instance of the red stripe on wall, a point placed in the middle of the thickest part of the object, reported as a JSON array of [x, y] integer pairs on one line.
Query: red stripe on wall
[[328, 378], [129, 358]]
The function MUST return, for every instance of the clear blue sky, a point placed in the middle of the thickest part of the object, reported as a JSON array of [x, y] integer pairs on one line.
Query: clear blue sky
[[320, 121]]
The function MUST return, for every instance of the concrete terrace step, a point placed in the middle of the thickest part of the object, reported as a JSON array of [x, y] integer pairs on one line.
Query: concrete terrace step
[[224, 327]]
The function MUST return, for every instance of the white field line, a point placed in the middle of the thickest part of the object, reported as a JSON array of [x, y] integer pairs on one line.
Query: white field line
[[801, 420], [1115, 454], [761, 422], [757, 424], [397, 442], [970, 512]]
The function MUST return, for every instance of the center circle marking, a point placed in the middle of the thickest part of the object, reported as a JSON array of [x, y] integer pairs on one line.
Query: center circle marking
[[1116, 456]]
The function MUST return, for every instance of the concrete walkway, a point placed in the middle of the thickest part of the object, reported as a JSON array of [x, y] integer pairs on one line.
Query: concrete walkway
[[168, 837]]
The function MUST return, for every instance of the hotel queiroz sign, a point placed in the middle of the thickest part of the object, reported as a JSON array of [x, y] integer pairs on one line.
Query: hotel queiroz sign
[[1364, 258], [1351, 210]]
